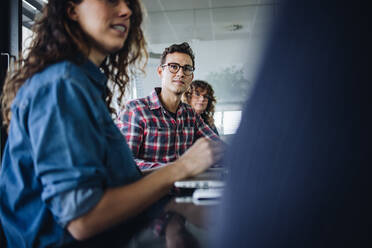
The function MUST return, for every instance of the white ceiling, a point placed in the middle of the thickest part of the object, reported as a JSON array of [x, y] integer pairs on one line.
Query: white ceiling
[[209, 26], [173, 21], [223, 56]]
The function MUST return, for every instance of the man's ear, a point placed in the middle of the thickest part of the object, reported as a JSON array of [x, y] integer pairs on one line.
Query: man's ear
[[71, 11], [160, 71]]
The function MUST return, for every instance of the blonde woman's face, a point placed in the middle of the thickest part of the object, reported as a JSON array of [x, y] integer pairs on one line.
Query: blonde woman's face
[[199, 100]]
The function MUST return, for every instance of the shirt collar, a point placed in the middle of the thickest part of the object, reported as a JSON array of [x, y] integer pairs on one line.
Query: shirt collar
[[94, 73], [154, 101]]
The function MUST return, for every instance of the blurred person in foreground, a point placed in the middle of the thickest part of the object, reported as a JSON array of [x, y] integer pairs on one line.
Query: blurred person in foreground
[[300, 160]]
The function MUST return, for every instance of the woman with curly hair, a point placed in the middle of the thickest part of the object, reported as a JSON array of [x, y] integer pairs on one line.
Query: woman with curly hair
[[201, 97], [68, 177]]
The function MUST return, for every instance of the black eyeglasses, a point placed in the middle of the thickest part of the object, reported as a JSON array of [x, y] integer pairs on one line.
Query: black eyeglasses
[[197, 94], [175, 67]]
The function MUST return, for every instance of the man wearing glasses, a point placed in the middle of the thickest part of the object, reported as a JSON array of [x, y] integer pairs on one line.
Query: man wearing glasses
[[160, 128]]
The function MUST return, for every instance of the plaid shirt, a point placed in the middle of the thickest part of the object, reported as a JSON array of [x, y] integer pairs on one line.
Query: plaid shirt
[[154, 136]]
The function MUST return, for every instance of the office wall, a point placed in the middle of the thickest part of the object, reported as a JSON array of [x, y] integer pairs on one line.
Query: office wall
[[229, 65]]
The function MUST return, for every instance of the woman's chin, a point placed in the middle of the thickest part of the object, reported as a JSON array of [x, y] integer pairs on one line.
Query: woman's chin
[[115, 49], [199, 111]]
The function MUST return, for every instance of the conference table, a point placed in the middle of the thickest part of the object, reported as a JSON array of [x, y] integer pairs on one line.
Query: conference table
[[185, 217], [182, 224]]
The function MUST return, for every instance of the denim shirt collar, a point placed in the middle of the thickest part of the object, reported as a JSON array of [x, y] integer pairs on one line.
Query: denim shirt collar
[[94, 73]]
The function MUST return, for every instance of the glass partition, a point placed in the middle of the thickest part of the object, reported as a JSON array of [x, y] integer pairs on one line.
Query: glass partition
[[227, 37]]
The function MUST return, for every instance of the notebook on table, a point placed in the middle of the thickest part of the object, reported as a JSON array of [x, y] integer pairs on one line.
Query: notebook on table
[[210, 196], [204, 189], [211, 178]]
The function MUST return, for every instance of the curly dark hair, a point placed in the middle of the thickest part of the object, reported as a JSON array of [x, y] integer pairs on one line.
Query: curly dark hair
[[181, 48], [208, 114], [57, 37]]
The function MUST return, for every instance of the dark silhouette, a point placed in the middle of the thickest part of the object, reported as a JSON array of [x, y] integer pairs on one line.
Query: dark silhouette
[[300, 159]]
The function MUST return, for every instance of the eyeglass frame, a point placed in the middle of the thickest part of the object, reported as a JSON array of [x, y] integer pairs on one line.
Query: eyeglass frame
[[179, 67], [197, 94]]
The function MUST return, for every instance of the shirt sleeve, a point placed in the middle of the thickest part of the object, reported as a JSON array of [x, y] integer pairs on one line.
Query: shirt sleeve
[[68, 145], [145, 165], [203, 130], [131, 126]]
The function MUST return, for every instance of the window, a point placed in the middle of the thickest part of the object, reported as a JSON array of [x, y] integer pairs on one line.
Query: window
[[30, 10], [227, 122], [26, 38]]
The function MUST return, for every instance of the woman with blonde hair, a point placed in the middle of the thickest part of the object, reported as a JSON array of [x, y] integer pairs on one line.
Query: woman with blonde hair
[[201, 97], [67, 176]]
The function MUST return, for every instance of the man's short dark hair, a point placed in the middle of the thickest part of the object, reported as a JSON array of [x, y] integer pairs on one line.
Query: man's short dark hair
[[181, 48]]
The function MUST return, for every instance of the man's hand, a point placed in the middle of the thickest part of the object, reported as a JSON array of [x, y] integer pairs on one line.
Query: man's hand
[[200, 156]]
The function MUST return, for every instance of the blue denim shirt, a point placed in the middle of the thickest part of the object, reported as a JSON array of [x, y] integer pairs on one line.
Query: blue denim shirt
[[63, 151]]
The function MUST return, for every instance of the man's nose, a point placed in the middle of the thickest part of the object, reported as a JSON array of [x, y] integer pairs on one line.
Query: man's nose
[[180, 72]]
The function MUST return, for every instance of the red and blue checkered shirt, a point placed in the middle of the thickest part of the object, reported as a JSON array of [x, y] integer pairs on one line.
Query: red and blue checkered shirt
[[154, 136]]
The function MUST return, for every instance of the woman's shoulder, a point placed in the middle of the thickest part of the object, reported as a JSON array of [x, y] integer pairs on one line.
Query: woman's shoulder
[[52, 73], [60, 70], [53, 76]]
